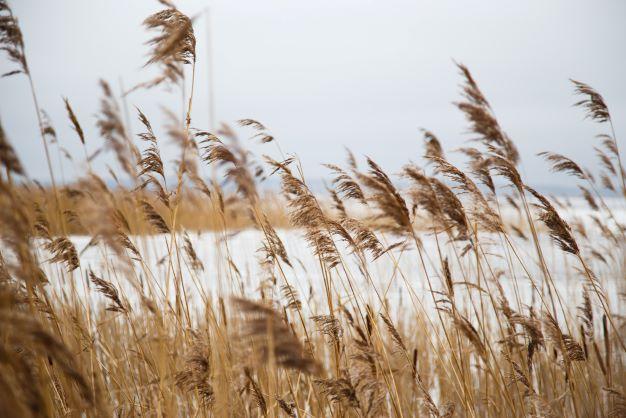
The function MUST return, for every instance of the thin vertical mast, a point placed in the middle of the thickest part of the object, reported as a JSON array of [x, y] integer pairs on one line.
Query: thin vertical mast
[[207, 14]]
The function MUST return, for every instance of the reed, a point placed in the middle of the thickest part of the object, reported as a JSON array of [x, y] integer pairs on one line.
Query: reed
[[437, 294]]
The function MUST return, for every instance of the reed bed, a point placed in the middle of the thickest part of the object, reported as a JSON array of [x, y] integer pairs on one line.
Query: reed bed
[[463, 293]]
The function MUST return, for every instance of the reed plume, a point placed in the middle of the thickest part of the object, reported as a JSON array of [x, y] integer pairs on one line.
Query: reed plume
[[154, 218], [559, 230], [262, 325], [111, 126], [11, 39], [172, 47], [593, 102], [195, 377], [484, 125], [562, 164], [75, 124], [432, 146], [8, 157]]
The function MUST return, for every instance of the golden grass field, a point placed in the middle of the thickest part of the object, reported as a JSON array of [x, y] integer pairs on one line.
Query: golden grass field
[[463, 293]]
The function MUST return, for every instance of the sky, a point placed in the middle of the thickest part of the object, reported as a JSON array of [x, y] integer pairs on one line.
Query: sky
[[328, 74]]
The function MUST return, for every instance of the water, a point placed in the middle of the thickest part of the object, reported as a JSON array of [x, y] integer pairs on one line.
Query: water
[[232, 266]]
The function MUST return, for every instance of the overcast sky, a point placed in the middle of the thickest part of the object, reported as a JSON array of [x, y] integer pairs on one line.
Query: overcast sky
[[326, 74]]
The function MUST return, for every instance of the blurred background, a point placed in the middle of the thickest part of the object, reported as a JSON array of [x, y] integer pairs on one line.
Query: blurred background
[[327, 74]]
